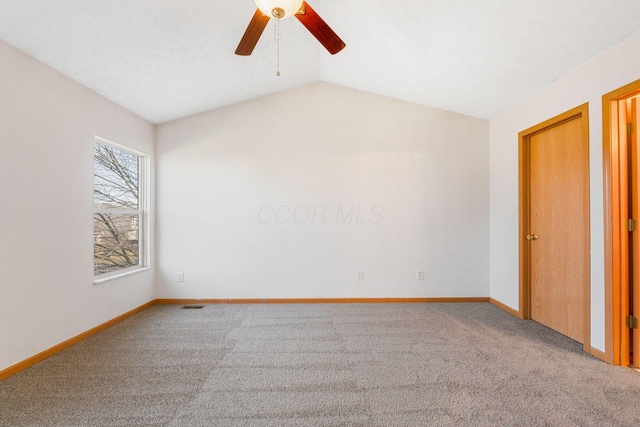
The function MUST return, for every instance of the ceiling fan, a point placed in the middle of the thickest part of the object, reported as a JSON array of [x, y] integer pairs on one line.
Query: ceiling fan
[[282, 9]]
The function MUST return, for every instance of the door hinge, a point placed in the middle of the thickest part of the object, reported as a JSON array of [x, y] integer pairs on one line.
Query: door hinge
[[629, 128], [631, 322], [632, 224]]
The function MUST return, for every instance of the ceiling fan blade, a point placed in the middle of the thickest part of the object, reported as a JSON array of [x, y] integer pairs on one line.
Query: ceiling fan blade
[[252, 34], [320, 29]]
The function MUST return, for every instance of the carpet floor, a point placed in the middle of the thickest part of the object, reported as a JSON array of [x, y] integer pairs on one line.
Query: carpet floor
[[323, 365]]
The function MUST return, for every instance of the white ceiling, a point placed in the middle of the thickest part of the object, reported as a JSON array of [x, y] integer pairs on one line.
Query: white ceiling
[[166, 59]]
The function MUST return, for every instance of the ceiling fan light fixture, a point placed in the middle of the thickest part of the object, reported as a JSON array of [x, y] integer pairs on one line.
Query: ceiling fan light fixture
[[280, 9]]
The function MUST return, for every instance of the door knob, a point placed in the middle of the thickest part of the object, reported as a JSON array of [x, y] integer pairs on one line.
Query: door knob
[[532, 237]]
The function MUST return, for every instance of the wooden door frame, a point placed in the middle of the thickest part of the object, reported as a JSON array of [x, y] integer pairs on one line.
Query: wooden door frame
[[524, 173], [616, 258]]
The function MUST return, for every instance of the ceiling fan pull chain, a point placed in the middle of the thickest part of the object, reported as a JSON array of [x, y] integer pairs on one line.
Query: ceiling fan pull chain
[[278, 43]]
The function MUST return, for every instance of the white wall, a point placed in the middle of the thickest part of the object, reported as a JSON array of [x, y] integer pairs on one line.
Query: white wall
[[47, 125], [608, 71], [418, 175]]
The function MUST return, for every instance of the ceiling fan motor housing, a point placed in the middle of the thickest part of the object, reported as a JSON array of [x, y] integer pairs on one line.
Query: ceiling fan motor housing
[[279, 9]]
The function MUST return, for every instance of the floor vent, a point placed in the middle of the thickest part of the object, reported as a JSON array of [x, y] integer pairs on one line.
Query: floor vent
[[192, 307]]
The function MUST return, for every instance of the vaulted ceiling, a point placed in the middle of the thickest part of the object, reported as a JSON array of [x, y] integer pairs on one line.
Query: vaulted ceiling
[[166, 59]]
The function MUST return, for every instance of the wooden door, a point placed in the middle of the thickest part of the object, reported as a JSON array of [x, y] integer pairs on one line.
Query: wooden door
[[558, 235], [621, 176], [633, 300]]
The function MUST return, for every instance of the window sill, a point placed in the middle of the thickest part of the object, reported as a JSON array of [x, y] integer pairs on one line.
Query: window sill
[[120, 275]]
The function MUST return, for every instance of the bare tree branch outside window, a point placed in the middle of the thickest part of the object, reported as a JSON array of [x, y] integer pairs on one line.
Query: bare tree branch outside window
[[117, 209]]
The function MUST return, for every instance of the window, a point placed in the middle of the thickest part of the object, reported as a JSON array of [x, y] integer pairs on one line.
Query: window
[[119, 209]]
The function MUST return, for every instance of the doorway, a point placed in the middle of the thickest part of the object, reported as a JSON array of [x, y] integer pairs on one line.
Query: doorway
[[554, 233], [620, 118]]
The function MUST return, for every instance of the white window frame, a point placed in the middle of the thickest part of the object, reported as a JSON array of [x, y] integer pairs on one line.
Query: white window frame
[[142, 212]]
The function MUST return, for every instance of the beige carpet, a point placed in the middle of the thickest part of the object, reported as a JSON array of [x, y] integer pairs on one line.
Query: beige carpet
[[323, 365]]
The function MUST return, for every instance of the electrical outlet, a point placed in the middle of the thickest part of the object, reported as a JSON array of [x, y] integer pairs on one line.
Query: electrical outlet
[[180, 277], [360, 276], [420, 275]]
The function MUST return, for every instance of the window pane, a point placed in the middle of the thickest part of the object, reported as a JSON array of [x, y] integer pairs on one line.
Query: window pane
[[116, 178], [115, 242]]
